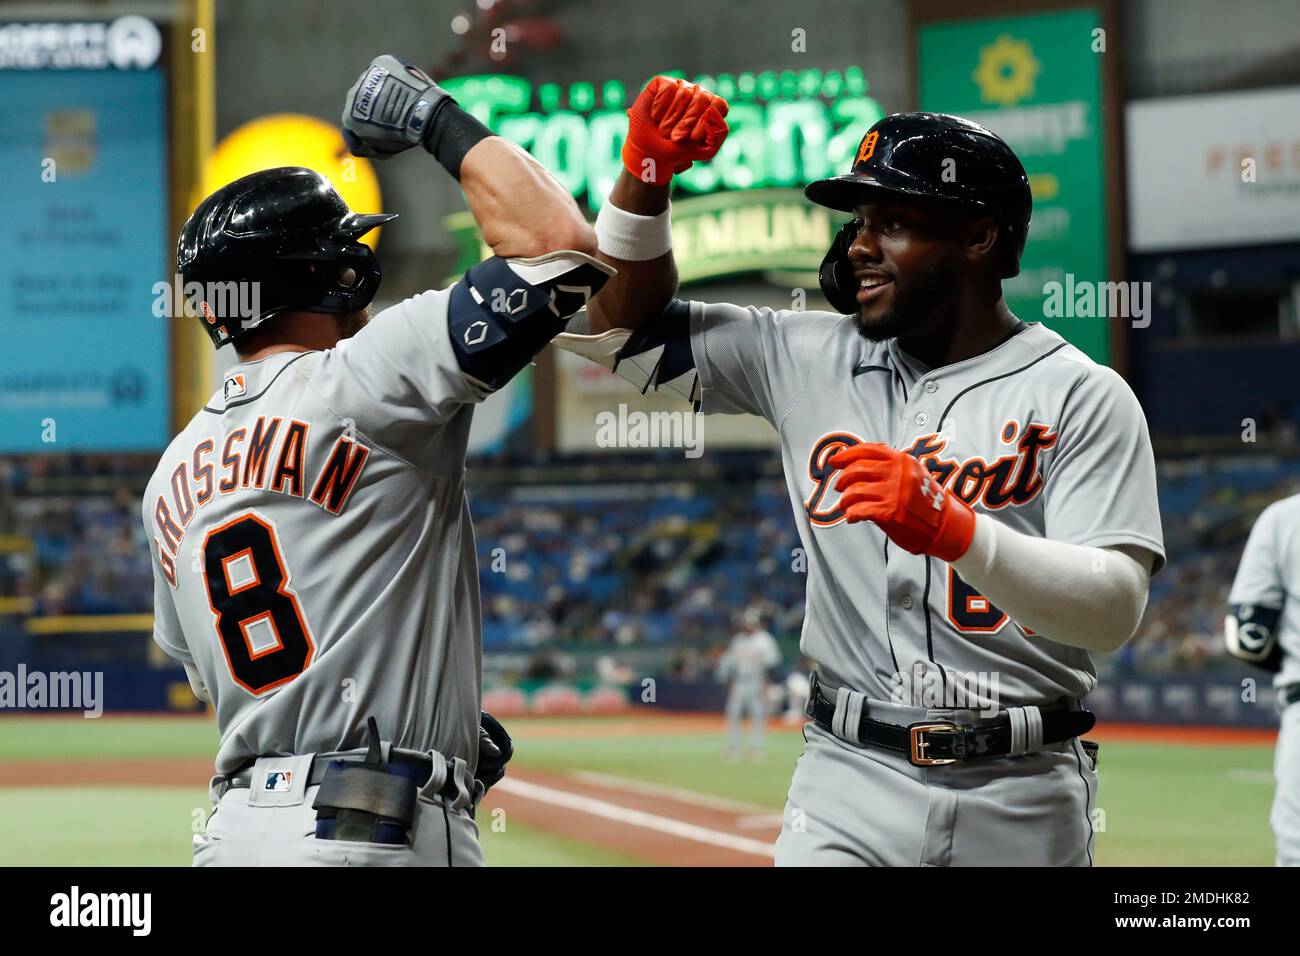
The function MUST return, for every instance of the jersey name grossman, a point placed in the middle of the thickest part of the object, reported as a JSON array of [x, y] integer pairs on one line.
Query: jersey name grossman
[[1012, 479], [272, 458]]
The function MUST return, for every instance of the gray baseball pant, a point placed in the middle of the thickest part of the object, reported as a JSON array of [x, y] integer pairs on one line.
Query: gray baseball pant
[[1286, 798], [746, 698], [251, 827], [850, 805]]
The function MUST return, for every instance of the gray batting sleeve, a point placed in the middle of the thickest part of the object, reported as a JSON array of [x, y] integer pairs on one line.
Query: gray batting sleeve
[[1101, 482], [752, 360], [1080, 596]]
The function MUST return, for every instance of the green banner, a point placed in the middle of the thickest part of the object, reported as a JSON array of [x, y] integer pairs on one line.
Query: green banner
[[1035, 80], [742, 212]]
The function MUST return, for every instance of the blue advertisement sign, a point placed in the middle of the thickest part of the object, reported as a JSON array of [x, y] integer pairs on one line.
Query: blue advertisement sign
[[84, 356]]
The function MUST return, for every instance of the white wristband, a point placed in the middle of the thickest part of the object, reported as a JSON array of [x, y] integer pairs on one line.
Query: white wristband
[[625, 235]]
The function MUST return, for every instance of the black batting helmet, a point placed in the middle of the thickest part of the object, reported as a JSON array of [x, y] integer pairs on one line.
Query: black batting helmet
[[928, 156], [290, 237]]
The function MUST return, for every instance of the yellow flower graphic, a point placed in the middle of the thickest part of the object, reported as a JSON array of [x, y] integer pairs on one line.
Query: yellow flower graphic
[[1006, 71]]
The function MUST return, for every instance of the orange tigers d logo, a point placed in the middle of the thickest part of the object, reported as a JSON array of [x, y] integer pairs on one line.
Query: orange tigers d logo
[[866, 148]]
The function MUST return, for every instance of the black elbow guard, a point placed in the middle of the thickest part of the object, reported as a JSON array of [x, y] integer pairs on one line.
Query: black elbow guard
[[504, 311], [1251, 633]]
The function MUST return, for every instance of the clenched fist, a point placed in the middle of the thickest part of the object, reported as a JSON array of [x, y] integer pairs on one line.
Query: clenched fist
[[390, 108], [899, 494], [672, 124]]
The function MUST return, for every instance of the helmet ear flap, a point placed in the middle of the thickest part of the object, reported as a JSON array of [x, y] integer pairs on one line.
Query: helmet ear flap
[[836, 273]]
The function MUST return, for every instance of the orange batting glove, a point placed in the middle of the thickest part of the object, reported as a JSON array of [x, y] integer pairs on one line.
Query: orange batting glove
[[671, 124], [898, 493]]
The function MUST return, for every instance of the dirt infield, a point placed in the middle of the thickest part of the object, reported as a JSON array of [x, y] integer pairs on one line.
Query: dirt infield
[[1188, 736], [187, 772]]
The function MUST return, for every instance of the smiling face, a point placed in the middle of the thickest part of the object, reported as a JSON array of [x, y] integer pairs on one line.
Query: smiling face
[[908, 259]]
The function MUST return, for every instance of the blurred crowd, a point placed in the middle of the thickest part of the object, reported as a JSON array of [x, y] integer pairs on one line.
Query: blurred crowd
[[1207, 508], [623, 565], [71, 540], [615, 565]]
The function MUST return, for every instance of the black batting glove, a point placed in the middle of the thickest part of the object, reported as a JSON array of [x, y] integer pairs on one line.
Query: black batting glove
[[494, 751]]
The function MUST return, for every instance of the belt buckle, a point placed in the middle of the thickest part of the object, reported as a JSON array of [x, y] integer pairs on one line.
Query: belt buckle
[[917, 744]]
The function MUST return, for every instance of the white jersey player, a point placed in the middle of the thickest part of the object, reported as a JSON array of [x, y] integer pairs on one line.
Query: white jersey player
[[745, 666], [314, 558], [1263, 629], [977, 498]]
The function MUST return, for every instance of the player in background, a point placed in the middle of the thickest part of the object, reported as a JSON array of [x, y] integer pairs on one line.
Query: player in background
[[976, 497], [1262, 628], [314, 559], [744, 667]]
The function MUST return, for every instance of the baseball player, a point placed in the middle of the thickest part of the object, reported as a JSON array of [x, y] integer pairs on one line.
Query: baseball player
[[976, 497], [745, 666], [1263, 628], [314, 558]]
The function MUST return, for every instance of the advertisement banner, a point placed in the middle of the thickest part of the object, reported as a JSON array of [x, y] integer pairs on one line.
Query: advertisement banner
[[744, 211], [1035, 80], [84, 356], [1212, 171]]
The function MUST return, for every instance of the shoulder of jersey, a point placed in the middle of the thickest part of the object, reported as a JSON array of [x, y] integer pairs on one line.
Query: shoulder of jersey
[[814, 324], [1284, 509], [1070, 357]]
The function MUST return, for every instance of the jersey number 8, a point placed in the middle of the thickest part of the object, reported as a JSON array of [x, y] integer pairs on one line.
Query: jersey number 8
[[258, 618]]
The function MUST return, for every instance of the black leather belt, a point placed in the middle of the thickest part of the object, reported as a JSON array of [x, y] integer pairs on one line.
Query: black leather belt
[[934, 743], [419, 769]]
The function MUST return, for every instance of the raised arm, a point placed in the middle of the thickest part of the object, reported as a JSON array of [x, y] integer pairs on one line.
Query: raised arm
[[672, 124], [643, 286], [504, 310], [522, 210]]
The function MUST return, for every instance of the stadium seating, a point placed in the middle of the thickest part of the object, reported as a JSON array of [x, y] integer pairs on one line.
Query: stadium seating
[[616, 564]]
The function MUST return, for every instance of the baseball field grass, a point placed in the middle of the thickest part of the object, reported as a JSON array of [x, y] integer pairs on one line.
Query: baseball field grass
[[619, 790]]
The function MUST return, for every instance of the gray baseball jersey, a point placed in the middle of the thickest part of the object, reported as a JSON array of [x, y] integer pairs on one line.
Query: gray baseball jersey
[[1032, 432], [749, 657], [313, 553], [1268, 575]]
